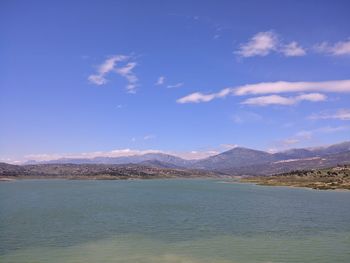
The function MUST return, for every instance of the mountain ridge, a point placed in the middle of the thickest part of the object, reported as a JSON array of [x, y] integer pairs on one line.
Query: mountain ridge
[[237, 161]]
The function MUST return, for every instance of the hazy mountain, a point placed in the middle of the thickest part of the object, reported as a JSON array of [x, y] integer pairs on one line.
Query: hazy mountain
[[289, 165], [294, 154], [332, 149], [134, 159], [234, 158], [238, 160]]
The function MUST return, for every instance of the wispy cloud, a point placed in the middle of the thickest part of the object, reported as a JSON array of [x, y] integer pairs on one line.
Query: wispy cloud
[[260, 44], [336, 86], [342, 114], [112, 65], [246, 117], [198, 97], [160, 81], [339, 86], [177, 85], [280, 100], [303, 136], [264, 43], [293, 49], [149, 137], [336, 49]]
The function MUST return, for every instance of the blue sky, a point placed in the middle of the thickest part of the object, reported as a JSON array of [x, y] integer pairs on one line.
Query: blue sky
[[87, 78]]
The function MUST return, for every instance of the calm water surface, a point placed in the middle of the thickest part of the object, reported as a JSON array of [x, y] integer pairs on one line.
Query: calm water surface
[[171, 221]]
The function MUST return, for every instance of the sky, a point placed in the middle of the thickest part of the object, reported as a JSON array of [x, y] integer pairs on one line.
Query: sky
[[191, 78]]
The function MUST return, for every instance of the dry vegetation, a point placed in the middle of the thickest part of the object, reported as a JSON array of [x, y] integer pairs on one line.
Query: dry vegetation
[[325, 179]]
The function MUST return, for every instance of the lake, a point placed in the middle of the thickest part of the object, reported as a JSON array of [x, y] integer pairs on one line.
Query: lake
[[170, 221]]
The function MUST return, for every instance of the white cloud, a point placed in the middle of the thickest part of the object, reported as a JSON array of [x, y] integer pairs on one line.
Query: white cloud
[[160, 80], [260, 44], [198, 97], [263, 43], [311, 97], [293, 49], [338, 86], [337, 49], [177, 85], [111, 65], [268, 100], [342, 114], [106, 67], [280, 100]]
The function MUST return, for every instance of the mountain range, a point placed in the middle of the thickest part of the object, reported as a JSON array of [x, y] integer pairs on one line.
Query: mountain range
[[237, 161]]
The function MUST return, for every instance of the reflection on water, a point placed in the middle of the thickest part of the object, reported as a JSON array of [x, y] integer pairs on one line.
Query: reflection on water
[[170, 221]]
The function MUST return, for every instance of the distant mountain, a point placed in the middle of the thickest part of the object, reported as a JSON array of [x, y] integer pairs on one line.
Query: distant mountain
[[294, 154], [332, 149], [160, 164], [134, 159], [236, 161], [240, 161], [234, 158], [284, 166], [313, 152]]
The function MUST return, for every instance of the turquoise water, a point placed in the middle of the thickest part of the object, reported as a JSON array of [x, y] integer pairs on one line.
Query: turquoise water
[[171, 221]]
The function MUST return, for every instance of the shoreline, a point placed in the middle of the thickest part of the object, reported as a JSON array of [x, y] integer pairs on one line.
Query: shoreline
[[104, 178], [315, 186]]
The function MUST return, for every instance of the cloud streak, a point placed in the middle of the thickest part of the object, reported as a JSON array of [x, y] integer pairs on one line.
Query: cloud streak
[[342, 114], [264, 88], [293, 49], [337, 49], [307, 135], [280, 100], [177, 85], [112, 65], [198, 97], [338, 86]]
